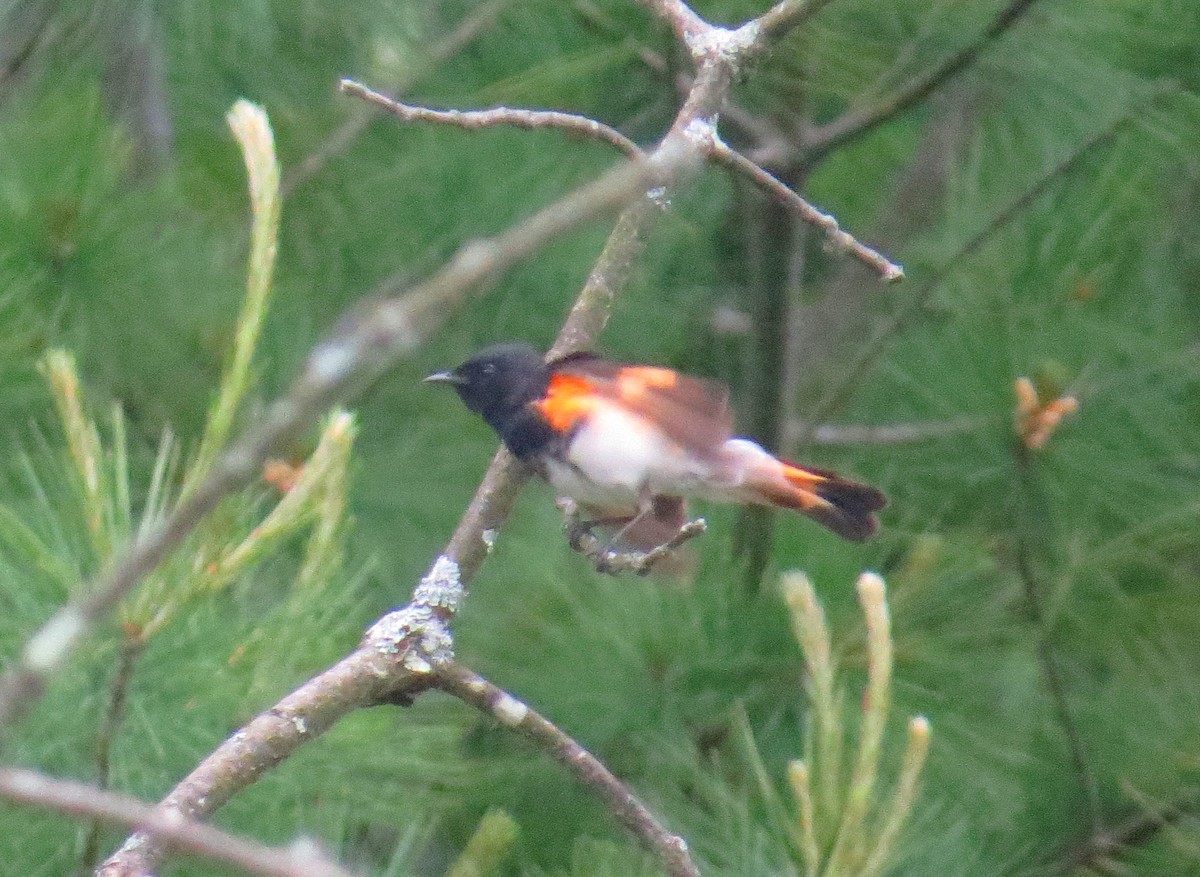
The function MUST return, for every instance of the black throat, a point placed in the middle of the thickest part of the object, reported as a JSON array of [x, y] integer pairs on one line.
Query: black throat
[[527, 433]]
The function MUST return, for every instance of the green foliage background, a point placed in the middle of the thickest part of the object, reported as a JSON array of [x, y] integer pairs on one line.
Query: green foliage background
[[124, 241]]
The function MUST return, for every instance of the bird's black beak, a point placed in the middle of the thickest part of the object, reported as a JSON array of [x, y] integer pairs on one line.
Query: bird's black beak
[[444, 378]]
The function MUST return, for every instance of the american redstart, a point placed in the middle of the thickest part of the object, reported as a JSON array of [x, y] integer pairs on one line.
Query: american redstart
[[629, 443]]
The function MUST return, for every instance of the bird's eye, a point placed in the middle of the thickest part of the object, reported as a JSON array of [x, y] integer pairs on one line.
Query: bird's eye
[[489, 369]]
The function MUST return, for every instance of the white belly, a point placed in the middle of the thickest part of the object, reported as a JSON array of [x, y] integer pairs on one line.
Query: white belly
[[617, 457]]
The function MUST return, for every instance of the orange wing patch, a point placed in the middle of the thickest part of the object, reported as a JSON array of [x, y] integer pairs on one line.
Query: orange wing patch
[[633, 382], [568, 399]]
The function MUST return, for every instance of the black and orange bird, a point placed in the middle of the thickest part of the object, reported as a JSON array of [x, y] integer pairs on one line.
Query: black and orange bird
[[630, 443]]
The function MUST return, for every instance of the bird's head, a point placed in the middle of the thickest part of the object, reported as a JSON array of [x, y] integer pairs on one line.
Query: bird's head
[[498, 380]]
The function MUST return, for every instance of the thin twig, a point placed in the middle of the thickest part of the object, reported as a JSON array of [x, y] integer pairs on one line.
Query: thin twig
[[343, 137], [473, 120], [839, 240], [483, 695], [822, 139], [301, 859], [608, 560], [131, 650]]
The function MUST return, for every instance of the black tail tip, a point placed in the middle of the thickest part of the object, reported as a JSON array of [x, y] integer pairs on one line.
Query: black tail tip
[[851, 509]]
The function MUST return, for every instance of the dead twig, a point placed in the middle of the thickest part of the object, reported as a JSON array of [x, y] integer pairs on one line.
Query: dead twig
[[474, 120], [838, 239], [607, 559]]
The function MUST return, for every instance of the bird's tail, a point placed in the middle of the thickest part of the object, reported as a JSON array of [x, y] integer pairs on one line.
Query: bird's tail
[[846, 507]]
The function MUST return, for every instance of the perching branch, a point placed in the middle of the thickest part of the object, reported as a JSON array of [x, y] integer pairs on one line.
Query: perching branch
[[301, 859], [855, 123], [483, 695], [607, 559]]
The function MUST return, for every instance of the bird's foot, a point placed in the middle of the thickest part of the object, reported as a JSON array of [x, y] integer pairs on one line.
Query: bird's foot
[[610, 560]]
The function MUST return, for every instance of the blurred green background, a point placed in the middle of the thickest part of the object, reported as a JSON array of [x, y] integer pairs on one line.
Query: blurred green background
[[1044, 201]]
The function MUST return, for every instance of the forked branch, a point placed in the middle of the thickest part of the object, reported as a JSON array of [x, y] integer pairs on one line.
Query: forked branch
[[839, 240]]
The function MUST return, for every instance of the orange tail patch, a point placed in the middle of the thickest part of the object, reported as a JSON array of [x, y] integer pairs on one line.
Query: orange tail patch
[[846, 507]]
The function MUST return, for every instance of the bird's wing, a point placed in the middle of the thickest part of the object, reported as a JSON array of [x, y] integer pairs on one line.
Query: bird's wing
[[692, 411]]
